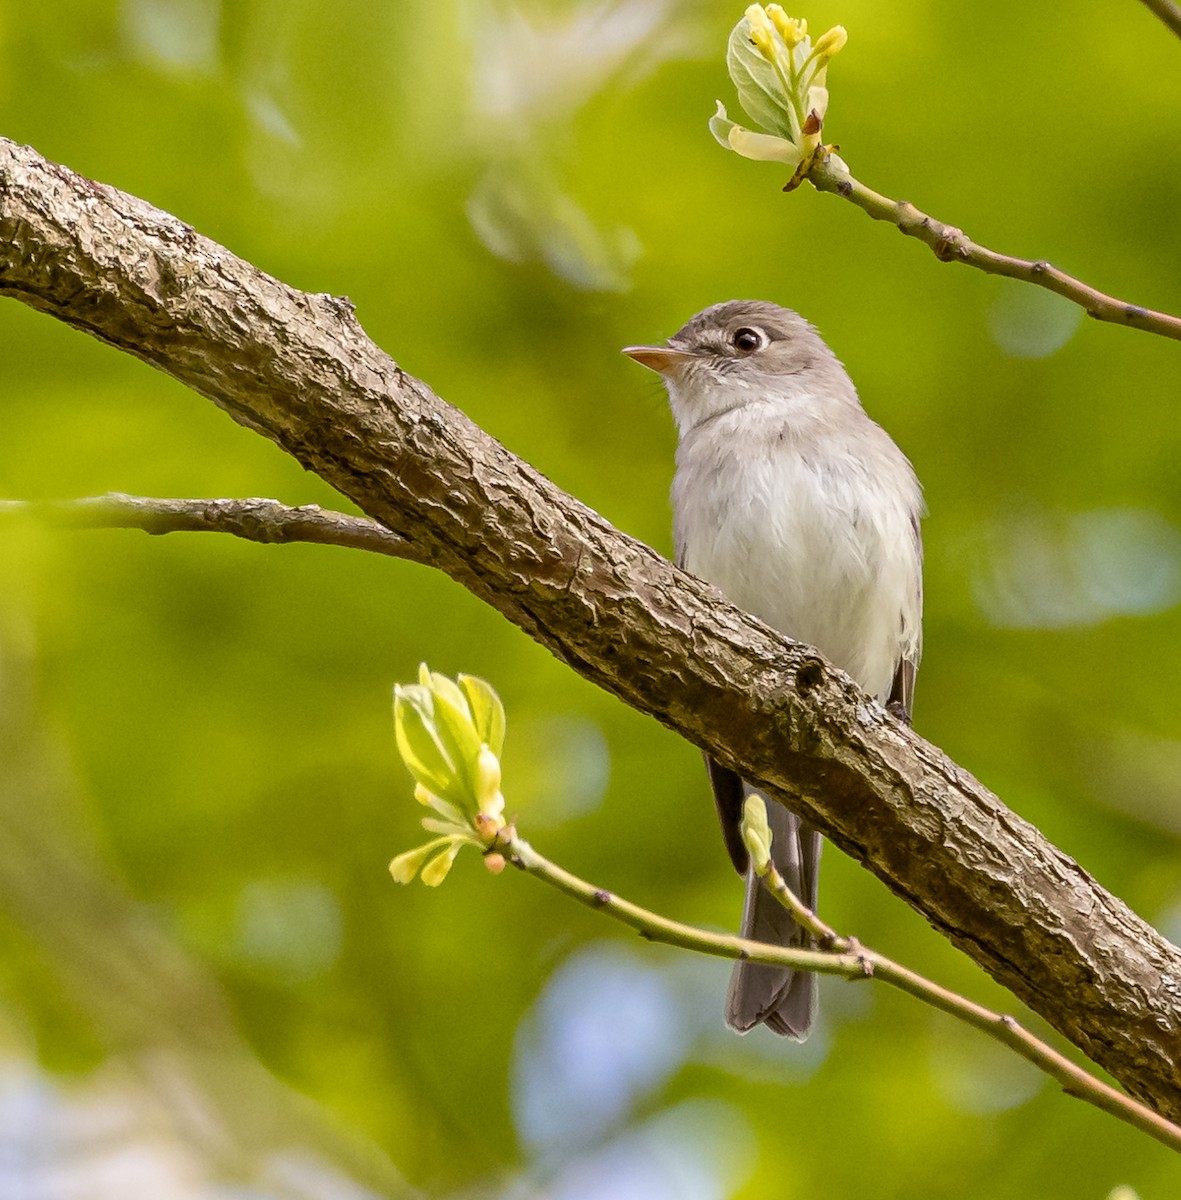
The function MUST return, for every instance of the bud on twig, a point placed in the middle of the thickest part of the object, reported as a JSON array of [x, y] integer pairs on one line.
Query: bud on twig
[[781, 80], [450, 734]]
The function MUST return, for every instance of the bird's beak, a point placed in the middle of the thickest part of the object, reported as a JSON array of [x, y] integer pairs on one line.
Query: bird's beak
[[664, 359]]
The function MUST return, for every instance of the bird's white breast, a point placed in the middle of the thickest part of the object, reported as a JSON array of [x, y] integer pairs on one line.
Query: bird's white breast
[[808, 524]]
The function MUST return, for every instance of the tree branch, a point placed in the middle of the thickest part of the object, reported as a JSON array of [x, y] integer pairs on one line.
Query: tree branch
[[256, 520], [299, 369], [847, 959], [950, 244], [1168, 11]]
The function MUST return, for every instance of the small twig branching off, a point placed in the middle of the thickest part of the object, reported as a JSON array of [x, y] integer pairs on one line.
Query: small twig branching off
[[844, 957], [781, 78], [828, 174], [255, 520]]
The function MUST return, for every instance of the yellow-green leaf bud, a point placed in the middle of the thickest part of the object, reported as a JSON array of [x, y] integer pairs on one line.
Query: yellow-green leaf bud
[[488, 781], [764, 43], [437, 869], [487, 711], [424, 754], [828, 44], [406, 865], [440, 685], [756, 832], [452, 829], [756, 14], [781, 81], [791, 30], [457, 735]]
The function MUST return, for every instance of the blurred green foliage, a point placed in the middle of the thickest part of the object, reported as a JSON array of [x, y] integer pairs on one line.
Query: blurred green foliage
[[198, 779]]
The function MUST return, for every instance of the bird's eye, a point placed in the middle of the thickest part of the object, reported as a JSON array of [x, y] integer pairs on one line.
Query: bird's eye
[[748, 340]]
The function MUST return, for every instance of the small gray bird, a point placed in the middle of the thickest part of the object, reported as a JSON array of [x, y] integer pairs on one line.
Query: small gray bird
[[802, 511]]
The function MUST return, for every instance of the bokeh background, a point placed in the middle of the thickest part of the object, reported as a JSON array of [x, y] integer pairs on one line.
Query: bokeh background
[[209, 985]]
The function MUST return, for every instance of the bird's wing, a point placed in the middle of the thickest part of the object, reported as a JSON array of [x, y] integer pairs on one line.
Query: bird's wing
[[901, 699], [902, 693]]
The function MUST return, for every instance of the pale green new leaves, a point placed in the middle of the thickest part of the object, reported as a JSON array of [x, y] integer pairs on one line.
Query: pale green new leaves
[[756, 832], [450, 734], [487, 711], [406, 866], [781, 81]]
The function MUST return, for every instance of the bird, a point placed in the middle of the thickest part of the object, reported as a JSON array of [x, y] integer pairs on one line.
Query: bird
[[801, 509]]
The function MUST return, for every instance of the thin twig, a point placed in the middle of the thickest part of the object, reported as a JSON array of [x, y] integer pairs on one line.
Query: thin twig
[[1074, 1079], [846, 958], [950, 244], [256, 520], [1168, 11]]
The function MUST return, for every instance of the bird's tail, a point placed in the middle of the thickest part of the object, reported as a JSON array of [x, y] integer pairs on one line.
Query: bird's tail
[[782, 999]]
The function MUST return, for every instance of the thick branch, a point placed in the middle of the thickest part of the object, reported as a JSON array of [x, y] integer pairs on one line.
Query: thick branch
[[299, 369], [1169, 12], [952, 245]]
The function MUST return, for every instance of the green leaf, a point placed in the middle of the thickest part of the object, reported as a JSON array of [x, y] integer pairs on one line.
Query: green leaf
[[763, 147], [445, 809], [406, 865], [427, 756], [446, 828], [440, 685], [720, 126], [437, 869], [458, 736], [761, 90], [487, 711]]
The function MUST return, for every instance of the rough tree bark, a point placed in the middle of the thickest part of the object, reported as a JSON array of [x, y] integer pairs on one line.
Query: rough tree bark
[[299, 369]]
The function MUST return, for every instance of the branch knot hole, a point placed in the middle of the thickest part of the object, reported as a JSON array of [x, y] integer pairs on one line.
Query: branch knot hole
[[810, 676]]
